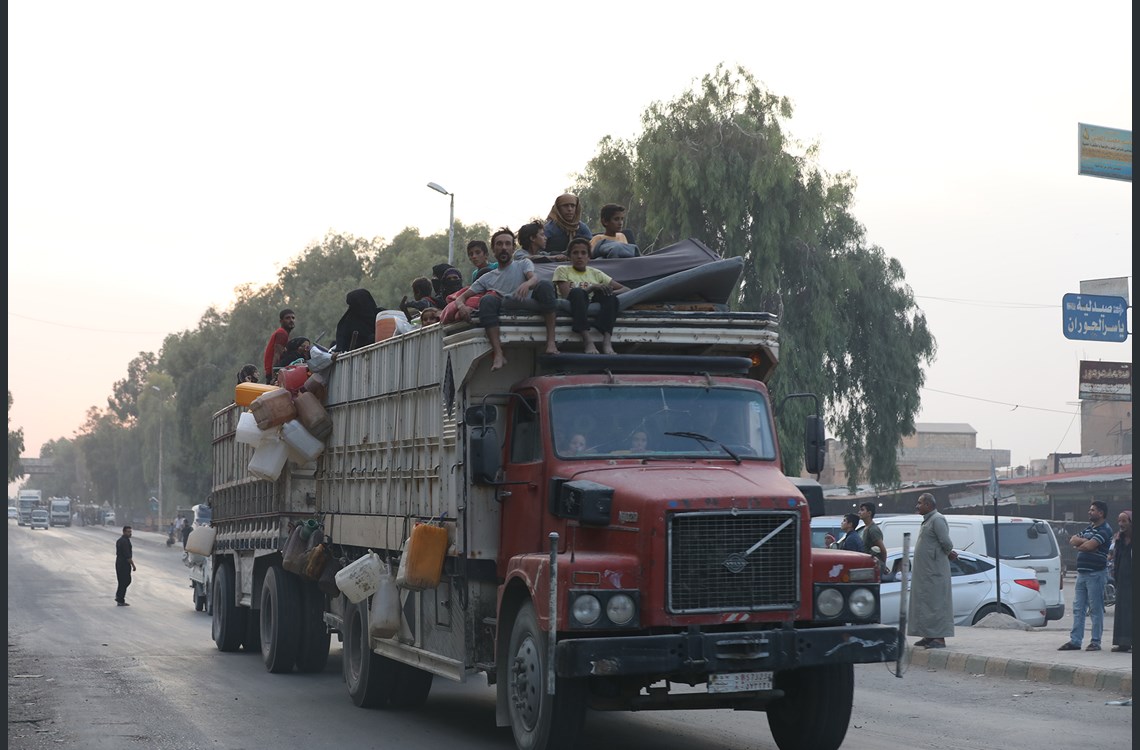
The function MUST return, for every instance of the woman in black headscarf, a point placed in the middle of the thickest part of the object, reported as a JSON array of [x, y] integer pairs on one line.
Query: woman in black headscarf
[[358, 320], [297, 349]]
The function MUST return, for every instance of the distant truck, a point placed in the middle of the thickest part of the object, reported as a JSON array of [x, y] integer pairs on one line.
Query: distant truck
[[59, 511], [28, 501]]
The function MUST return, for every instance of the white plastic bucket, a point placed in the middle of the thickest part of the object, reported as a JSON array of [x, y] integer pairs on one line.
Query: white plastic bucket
[[361, 579]]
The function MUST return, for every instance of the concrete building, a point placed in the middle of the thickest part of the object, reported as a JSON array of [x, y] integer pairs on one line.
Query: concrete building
[[936, 452]]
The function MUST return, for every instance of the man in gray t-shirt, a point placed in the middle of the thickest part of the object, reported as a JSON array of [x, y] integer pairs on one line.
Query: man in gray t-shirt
[[506, 288]]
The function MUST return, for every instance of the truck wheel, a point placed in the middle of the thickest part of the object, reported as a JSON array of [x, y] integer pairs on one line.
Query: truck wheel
[[313, 646], [252, 640], [229, 619], [280, 611], [362, 669], [411, 685], [816, 707], [539, 720]]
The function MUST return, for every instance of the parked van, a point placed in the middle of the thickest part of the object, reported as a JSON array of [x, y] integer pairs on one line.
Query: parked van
[[1023, 543]]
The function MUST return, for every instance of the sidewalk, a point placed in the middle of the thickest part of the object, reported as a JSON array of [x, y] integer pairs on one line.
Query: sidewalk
[[998, 647]]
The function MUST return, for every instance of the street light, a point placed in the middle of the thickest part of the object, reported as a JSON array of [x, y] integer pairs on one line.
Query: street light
[[161, 414], [451, 222]]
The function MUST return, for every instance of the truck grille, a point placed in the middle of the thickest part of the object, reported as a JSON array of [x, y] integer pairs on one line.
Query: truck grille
[[709, 570]]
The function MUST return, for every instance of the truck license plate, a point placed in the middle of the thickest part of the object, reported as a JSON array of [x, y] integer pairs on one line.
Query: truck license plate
[[740, 682]]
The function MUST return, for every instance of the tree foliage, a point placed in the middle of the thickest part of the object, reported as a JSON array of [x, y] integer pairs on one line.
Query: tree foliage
[[716, 164], [15, 446]]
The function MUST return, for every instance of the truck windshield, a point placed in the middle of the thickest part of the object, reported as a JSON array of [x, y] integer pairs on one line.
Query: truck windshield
[[636, 420]]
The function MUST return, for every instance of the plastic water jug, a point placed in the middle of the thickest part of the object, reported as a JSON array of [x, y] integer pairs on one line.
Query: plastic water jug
[[269, 459], [201, 540], [361, 579], [303, 447], [421, 565], [384, 619], [249, 433]]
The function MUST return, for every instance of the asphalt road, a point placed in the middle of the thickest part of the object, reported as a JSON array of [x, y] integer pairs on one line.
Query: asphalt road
[[84, 673]]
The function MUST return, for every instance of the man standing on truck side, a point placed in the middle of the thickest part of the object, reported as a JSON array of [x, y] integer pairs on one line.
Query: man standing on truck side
[[275, 347], [124, 564], [506, 288], [931, 601], [1092, 547]]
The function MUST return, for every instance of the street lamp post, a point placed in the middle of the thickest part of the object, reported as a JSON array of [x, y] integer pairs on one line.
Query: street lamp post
[[451, 222], [161, 415]]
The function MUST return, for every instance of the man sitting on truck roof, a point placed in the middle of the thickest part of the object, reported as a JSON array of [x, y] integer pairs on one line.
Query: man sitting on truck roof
[[506, 288]]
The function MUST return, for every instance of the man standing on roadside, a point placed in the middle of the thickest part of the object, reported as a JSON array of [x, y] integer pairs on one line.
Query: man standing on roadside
[[277, 342], [1092, 546], [872, 534], [931, 601], [124, 564]]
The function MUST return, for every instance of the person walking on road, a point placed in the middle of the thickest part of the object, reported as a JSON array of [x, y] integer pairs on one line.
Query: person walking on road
[[1122, 577], [931, 603], [124, 564], [1092, 547]]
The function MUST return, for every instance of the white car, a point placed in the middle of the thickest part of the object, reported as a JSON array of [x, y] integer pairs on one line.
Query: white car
[[40, 519], [13, 513], [973, 588]]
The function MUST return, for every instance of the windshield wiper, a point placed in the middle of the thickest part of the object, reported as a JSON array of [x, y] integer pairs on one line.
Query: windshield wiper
[[706, 439]]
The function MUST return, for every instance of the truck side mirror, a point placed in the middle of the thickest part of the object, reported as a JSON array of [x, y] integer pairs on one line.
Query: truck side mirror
[[485, 454], [814, 444], [481, 416]]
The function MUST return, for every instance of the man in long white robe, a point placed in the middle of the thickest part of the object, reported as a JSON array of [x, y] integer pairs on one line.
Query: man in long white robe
[[931, 602]]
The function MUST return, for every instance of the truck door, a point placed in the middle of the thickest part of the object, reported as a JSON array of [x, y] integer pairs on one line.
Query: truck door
[[524, 507]]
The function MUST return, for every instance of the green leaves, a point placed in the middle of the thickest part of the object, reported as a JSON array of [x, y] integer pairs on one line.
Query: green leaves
[[717, 163]]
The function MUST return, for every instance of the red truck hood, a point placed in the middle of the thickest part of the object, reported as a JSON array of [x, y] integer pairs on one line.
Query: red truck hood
[[698, 481]]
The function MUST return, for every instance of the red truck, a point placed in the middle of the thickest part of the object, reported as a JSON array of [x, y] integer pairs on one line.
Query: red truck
[[618, 527]]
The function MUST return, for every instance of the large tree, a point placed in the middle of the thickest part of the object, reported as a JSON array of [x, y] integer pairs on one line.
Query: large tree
[[15, 446], [717, 164]]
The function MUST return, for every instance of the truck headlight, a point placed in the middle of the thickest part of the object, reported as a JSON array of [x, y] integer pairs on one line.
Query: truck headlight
[[620, 609], [862, 603], [829, 602], [586, 609]]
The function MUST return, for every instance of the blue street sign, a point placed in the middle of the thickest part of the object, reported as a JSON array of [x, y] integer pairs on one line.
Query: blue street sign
[[1095, 317]]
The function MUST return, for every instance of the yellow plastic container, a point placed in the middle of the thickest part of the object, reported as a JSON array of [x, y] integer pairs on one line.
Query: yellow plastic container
[[422, 562], [245, 393]]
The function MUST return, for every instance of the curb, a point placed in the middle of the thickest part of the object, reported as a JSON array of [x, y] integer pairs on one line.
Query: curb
[[995, 666]]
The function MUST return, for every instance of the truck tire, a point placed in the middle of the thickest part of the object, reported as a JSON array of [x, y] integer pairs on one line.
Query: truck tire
[[280, 612], [252, 640], [362, 669], [816, 707], [229, 619], [313, 645], [411, 685], [539, 720]]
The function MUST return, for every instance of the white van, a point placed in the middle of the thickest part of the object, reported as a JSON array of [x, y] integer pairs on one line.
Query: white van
[[1023, 543]]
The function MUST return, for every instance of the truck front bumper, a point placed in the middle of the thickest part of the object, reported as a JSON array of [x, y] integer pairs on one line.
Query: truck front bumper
[[696, 654]]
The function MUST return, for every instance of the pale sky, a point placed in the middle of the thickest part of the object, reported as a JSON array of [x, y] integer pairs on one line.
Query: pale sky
[[162, 154]]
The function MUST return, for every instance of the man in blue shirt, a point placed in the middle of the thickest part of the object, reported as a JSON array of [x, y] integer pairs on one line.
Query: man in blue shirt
[[1092, 546]]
